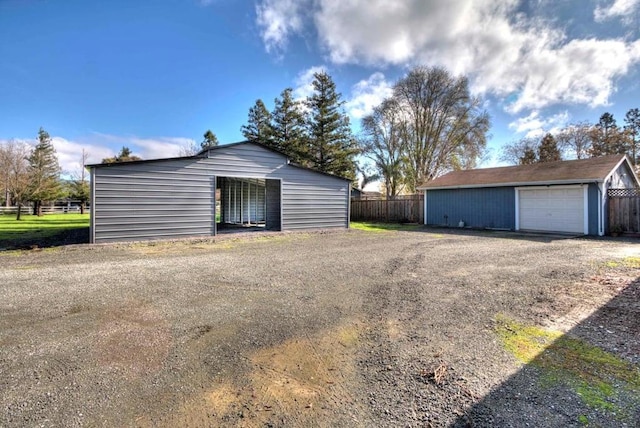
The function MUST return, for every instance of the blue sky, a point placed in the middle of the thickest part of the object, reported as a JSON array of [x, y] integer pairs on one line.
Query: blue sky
[[155, 75]]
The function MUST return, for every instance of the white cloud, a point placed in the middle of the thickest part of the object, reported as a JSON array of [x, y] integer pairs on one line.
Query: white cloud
[[161, 147], [279, 19], [367, 94], [304, 82], [526, 59], [99, 146], [70, 154], [145, 148], [616, 9], [534, 125]]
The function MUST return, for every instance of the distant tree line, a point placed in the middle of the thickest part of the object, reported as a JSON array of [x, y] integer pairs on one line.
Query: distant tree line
[[32, 175], [581, 140]]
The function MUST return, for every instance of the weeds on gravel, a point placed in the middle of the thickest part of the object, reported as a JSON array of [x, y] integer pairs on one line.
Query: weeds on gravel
[[382, 227], [629, 262], [602, 380]]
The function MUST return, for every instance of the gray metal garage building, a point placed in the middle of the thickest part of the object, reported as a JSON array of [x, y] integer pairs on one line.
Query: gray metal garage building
[[242, 184]]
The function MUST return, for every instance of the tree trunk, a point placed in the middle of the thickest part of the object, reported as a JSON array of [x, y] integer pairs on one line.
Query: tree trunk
[[35, 208], [39, 209], [81, 207], [19, 209]]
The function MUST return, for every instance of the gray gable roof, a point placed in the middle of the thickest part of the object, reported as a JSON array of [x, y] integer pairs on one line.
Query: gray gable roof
[[562, 172], [205, 153]]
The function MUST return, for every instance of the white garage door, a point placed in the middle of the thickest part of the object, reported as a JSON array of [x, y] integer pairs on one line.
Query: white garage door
[[553, 209]]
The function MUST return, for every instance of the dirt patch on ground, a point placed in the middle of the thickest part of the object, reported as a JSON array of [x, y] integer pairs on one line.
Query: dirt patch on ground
[[325, 329]]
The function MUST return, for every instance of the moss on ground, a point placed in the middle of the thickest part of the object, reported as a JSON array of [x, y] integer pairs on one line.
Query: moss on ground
[[383, 227], [603, 381], [629, 262]]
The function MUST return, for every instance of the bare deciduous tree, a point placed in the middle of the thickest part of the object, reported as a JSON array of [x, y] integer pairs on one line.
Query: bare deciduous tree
[[14, 163], [79, 186], [383, 144], [575, 139], [445, 127], [519, 152], [189, 149]]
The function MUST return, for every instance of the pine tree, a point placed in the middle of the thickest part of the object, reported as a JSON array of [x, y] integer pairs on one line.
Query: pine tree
[[332, 147], [124, 155], [210, 140], [632, 127], [44, 173], [258, 127], [288, 127], [606, 138], [548, 150]]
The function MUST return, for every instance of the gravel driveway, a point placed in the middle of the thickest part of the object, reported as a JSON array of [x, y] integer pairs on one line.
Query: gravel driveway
[[347, 328]]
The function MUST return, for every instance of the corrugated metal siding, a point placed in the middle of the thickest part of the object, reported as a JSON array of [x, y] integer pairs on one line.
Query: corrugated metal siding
[[311, 200], [273, 205], [175, 197], [482, 207], [152, 200]]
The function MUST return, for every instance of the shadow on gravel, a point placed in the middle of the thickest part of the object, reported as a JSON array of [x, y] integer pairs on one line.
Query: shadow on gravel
[[68, 237], [498, 234], [518, 236], [587, 377]]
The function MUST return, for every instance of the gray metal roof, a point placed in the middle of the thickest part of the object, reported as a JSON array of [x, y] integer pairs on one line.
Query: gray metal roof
[[202, 154]]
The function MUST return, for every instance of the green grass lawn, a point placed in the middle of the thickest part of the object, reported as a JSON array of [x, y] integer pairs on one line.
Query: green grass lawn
[[33, 228], [382, 227]]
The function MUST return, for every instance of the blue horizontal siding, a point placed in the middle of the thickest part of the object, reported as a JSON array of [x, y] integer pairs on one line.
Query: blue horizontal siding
[[481, 207]]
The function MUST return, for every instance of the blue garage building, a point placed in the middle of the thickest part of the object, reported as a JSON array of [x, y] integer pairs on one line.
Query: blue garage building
[[565, 196]]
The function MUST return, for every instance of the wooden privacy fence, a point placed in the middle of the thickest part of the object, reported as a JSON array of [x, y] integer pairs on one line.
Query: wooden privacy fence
[[401, 209], [624, 210]]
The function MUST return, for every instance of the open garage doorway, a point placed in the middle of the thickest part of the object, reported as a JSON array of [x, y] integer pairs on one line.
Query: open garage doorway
[[247, 204]]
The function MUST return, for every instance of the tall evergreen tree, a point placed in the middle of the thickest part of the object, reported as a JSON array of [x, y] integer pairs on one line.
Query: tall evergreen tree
[[44, 173], [210, 140], [258, 127], [288, 127], [548, 150], [332, 147], [632, 127], [606, 137]]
